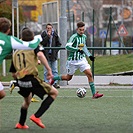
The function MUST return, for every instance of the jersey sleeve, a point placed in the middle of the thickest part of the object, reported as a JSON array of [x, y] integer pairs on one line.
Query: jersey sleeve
[[69, 45], [19, 44], [86, 51], [38, 49]]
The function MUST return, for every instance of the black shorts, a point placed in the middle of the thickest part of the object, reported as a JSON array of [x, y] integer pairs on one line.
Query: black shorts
[[33, 84]]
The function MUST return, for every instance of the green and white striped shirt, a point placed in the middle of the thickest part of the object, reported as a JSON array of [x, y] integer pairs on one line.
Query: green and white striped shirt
[[8, 43], [73, 46]]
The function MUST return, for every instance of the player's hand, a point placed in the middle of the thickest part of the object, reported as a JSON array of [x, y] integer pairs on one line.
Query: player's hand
[[39, 62], [92, 58], [80, 51], [49, 75]]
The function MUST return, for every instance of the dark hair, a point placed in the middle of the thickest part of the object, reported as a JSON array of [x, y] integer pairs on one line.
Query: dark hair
[[80, 24], [5, 24], [27, 34], [48, 24]]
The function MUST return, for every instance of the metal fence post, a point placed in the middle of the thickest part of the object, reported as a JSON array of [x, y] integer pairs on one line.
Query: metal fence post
[[63, 36]]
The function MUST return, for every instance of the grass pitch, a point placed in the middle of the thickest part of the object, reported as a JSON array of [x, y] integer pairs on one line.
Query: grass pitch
[[70, 114]]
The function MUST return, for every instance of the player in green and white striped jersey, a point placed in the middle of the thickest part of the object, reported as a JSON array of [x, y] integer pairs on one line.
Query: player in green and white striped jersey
[[78, 51], [8, 43]]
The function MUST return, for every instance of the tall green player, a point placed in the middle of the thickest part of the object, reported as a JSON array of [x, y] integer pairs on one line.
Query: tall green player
[[76, 46]]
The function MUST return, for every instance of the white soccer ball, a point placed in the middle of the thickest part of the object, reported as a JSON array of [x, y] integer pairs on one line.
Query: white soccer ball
[[81, 92]]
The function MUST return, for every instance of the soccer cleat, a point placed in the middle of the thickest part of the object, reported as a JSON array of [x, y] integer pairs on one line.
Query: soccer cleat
[[51, 81], [37, 121], [56, 86], [11, 86], [34, 100], [97, 95], [19, 126]]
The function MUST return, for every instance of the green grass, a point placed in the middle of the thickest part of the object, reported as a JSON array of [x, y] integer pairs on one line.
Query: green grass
[[70, 114], [103, 65], [113, 64]]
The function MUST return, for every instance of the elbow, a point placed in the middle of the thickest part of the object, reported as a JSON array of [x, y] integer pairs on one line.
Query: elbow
[[39, 54]]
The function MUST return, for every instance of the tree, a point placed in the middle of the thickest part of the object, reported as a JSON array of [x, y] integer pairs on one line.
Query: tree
[[6, 11]]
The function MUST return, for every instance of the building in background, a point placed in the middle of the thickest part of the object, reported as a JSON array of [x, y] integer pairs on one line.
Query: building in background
[[32, 9]]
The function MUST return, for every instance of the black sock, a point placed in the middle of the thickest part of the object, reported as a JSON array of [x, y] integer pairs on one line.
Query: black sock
[[15, 84], [23, 115], [44, 106]]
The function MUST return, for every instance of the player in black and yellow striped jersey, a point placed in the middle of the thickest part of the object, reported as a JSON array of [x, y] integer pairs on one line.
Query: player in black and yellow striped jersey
[[14, 83], [24, 70]]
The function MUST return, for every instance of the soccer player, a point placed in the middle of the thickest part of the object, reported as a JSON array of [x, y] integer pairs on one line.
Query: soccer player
[[76, 46], [24, 70], [14, 83], [8, 43]]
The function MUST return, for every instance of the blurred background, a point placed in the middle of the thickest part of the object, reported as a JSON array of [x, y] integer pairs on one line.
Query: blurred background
[[109, 23], [104, 15]]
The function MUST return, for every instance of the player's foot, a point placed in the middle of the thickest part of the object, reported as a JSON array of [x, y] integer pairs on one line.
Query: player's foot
[[37, 121], [56, 85], [34, 100], [19, 126], [51, 81], [11, 86], [97, 95]]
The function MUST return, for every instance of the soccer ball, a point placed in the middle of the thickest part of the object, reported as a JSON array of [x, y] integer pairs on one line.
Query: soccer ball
[[81, 92]]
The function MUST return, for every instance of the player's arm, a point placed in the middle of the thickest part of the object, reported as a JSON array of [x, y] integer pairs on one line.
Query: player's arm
[[43, 60], [19, 44], [86, 51], [69, 45]]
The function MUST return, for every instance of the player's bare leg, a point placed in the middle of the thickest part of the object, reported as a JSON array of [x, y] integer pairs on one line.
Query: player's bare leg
[[2, 92], [95, 94]]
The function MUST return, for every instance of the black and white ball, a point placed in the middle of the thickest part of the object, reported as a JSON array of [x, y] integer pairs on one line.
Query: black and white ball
[[81, 92]]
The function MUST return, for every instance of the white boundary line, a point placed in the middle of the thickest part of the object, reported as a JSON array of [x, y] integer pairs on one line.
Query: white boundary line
[[87, 86], [86, 89], [81, 98]]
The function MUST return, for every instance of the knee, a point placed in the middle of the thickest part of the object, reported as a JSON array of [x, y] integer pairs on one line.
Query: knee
[[26, 105], [69, 78], [2, 94], [54, 93]]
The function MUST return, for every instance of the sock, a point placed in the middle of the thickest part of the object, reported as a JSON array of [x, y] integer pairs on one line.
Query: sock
[[57, 77], [44, 106], [15, 84], [23, 115], [92, 86]]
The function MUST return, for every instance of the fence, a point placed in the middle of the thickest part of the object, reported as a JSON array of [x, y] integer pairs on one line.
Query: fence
[[90, 48]]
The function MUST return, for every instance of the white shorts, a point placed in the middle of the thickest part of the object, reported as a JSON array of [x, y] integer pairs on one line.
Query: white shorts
[[73, 65], [1, 86]]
